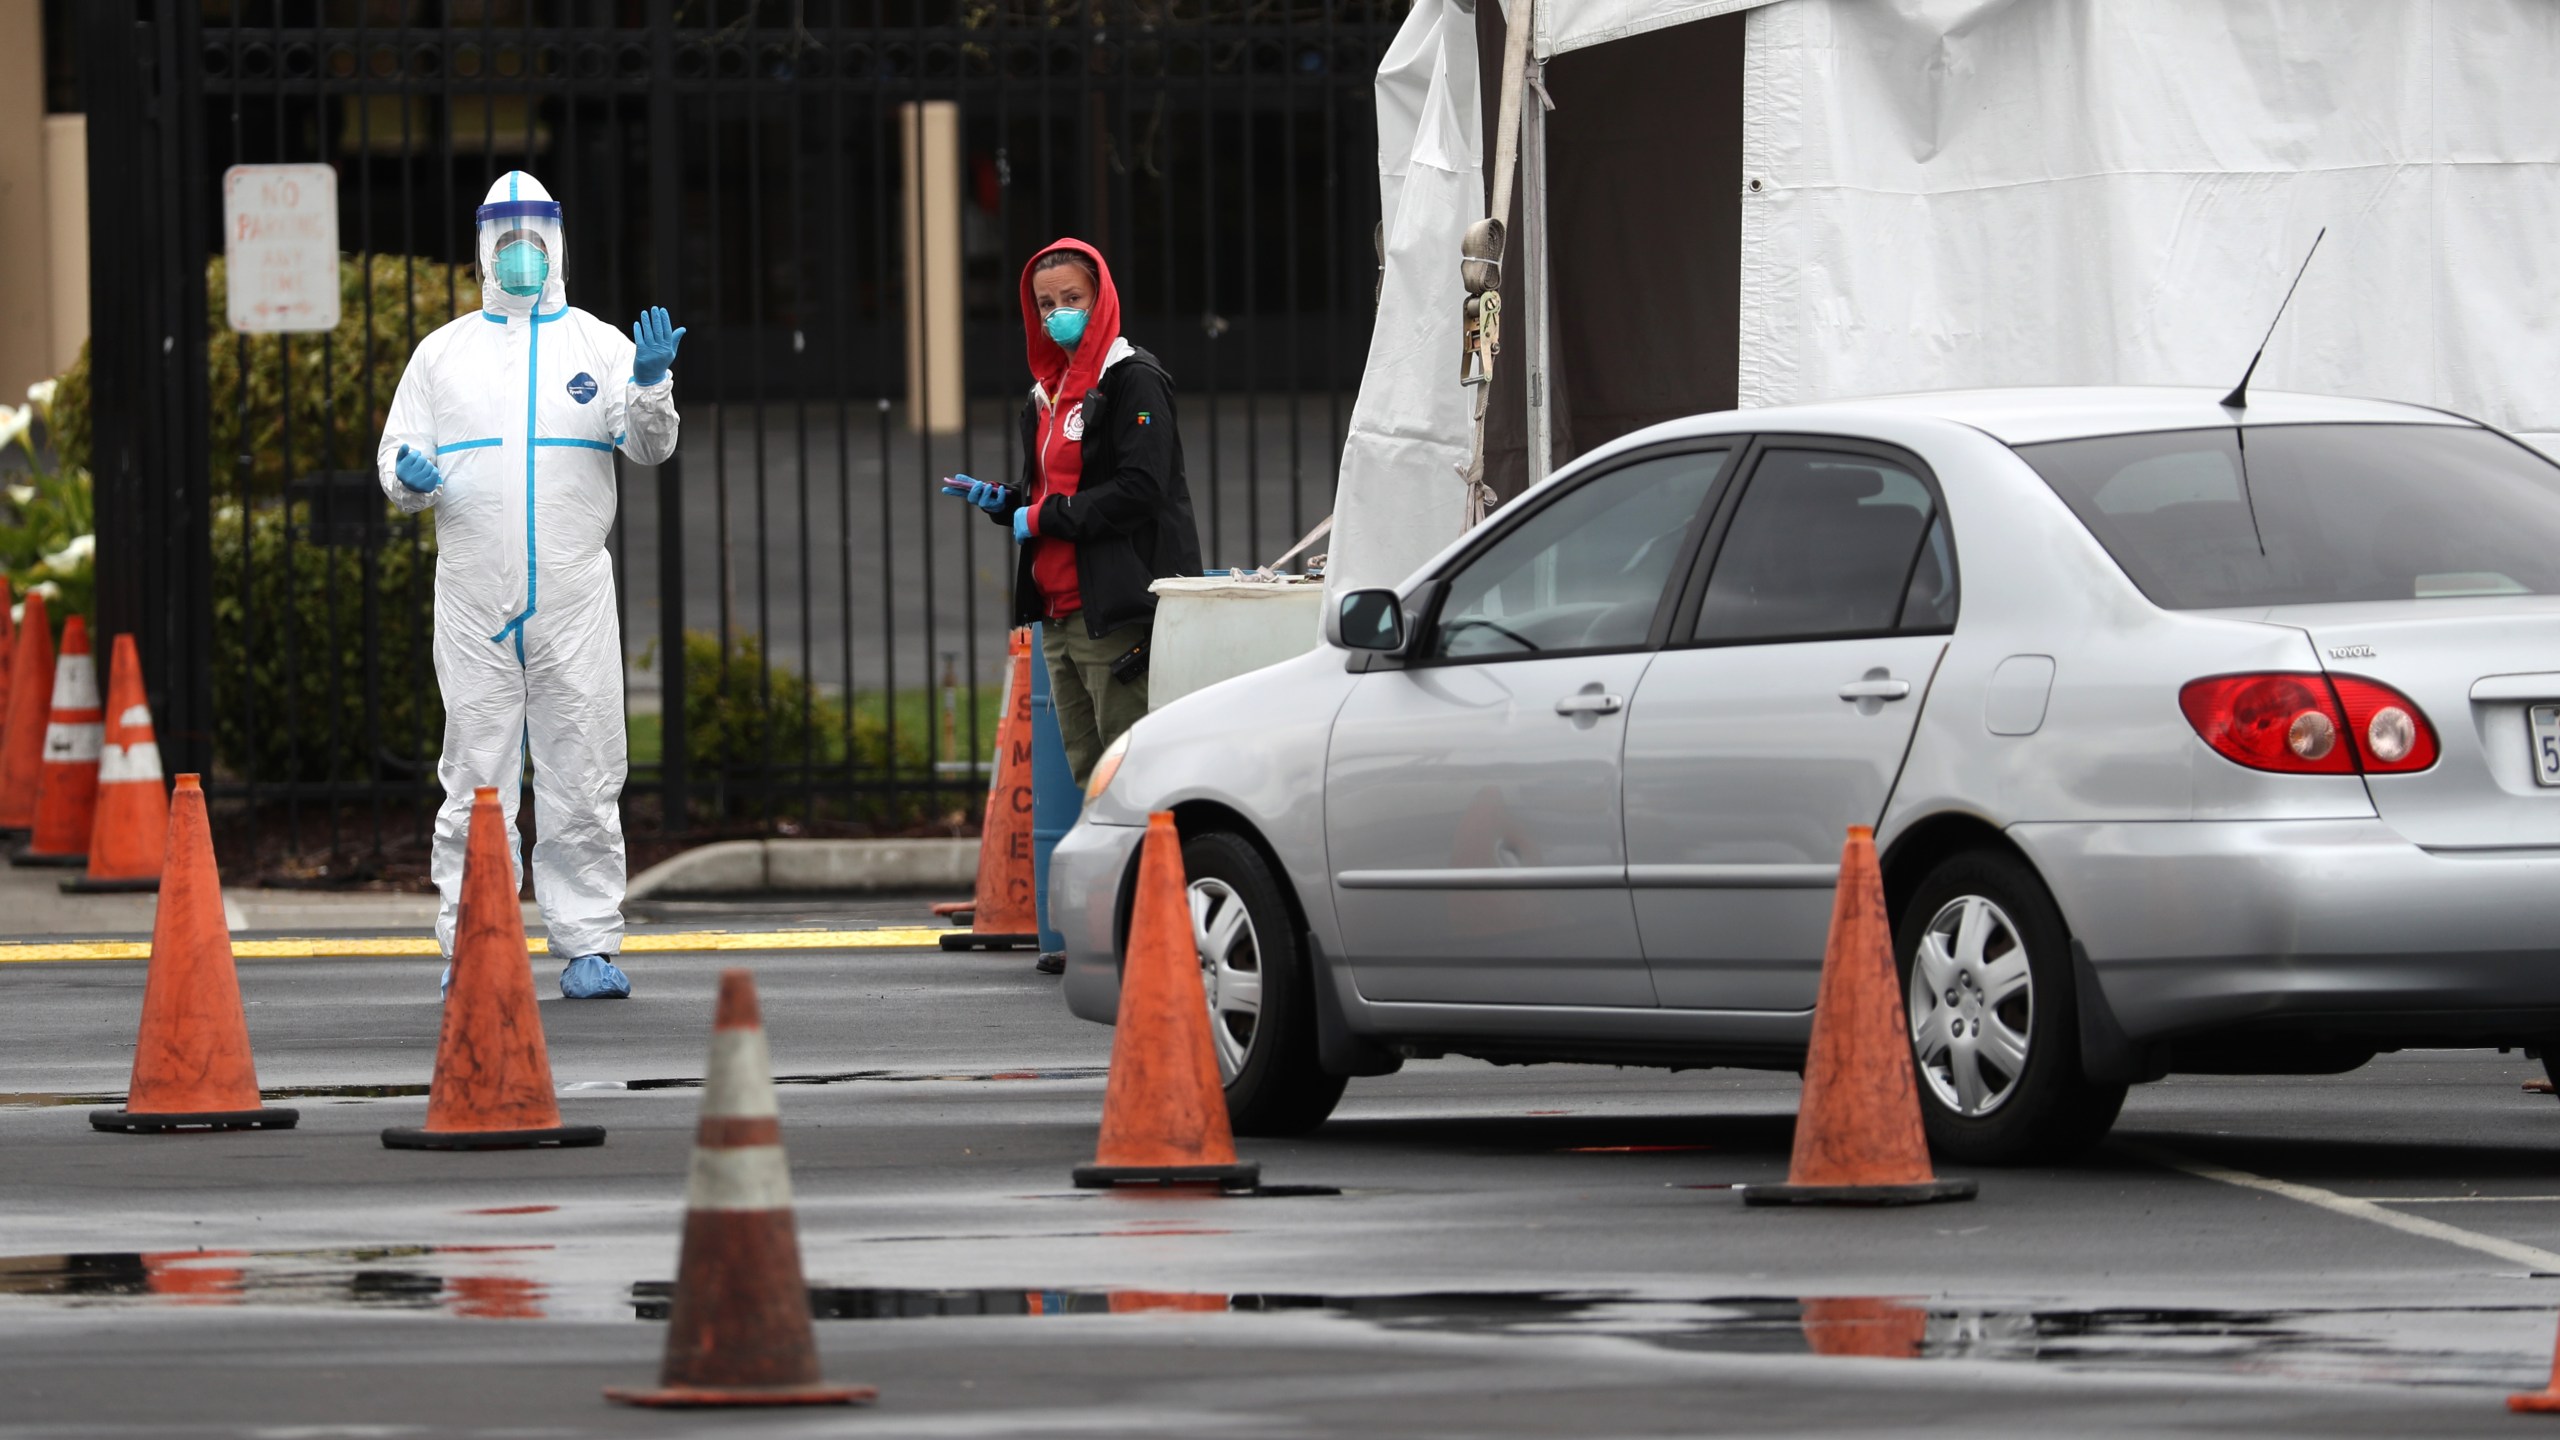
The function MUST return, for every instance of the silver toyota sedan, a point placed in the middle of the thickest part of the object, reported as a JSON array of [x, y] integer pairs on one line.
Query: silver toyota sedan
[[2194, 739]]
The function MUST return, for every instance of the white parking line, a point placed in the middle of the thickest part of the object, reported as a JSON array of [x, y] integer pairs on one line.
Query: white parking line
[[2515, 1252], [2464, 1199]]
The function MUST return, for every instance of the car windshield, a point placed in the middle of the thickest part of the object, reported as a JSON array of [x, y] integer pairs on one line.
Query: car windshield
[[2319, 513]]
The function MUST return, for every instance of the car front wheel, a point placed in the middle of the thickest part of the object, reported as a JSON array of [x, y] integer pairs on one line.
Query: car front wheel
[[1261, 989], [1988, 989]]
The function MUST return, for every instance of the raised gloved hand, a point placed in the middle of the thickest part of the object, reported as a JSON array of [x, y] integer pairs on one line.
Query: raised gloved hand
[[654, 339], [1022, 525], [416, 471], [984, 494]]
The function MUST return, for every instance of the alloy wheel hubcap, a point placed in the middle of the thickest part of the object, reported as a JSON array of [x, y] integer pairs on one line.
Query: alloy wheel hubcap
[[1230, 971], [1972, 1006]]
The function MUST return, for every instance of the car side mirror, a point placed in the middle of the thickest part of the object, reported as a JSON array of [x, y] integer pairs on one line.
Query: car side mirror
[[1370, 620]]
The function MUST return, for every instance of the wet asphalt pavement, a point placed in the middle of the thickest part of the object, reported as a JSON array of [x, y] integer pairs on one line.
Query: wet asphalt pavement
[[1547, 1251]]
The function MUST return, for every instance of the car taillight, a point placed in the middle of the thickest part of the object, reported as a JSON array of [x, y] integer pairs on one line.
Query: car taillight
[[2391, 733], [2309, 724]]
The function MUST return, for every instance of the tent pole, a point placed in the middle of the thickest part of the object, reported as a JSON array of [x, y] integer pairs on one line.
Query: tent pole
[[1540, 312], [1485, 299]]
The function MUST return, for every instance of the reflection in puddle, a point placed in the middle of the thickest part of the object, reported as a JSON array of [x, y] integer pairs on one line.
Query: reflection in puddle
[[408, 1092], [2468, 1345], [307, 1278], [2503, 1345]]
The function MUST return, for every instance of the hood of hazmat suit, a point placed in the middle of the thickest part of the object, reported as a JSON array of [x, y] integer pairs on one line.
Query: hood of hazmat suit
[[522, 405]]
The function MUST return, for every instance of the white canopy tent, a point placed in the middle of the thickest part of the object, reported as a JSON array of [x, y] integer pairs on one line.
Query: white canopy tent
[[1945, 193]]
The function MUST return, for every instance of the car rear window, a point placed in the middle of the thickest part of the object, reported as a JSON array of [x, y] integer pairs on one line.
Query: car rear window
[[2317, 513]]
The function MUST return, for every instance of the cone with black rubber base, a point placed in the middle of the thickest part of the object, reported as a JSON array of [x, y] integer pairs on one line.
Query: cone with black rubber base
[[738, 1331], [192, 1069], [492, 1087], [1858, 1135], [1164, 1111], [1005, 912]]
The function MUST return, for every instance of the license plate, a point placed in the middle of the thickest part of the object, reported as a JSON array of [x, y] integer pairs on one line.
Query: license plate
[[2546, 743]]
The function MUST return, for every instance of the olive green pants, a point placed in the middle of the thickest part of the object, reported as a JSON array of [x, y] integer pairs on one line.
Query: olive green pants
[[1093, 708]]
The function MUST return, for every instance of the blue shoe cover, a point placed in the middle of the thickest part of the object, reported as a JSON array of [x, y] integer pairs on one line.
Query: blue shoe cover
[[444, 987], [595, 977]]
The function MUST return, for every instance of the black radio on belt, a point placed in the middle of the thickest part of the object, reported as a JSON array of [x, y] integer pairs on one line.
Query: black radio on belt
[[1129, 667]]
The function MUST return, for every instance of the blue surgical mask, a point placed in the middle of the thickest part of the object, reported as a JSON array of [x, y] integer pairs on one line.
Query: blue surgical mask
[[1065, 326], [522, 268]]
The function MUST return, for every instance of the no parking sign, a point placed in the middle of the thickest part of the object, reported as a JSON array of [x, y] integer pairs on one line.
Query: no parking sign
[[280, 240]]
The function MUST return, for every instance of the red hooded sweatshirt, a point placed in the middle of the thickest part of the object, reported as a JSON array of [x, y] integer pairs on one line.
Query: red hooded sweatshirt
[[1064, 377]]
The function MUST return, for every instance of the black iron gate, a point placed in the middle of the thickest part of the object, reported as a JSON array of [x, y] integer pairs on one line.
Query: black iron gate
[[814, 634]]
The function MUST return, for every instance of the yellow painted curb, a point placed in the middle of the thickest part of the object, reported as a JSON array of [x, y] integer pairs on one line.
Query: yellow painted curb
[[687, 942]]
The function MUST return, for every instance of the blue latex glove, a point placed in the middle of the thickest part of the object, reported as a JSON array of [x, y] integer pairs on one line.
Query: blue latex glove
[[654, 339], [1022, 525], [985, 494], [416, 471]]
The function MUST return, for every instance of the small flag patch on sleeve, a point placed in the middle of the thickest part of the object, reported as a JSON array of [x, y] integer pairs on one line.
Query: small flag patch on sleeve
[[1145, 419]]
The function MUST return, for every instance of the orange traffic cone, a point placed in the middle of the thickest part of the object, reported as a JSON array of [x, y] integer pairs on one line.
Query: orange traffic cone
[[1164, 1114], [2543, 1401], [8, 639], [67, 791], [738, 1332], [492, 1088], [1006, 913], [191, 1066], [1858, 1136], [30, 696], [133, 811]]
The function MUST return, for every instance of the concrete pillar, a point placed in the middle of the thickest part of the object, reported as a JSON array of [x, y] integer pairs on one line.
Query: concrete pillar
[[66, 199], [929, 144], [26, 279]]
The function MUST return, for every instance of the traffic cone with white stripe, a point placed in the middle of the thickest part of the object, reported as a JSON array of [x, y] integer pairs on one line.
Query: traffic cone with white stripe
[[739, 1332], [67, 790], [30, 697], [132, 827]]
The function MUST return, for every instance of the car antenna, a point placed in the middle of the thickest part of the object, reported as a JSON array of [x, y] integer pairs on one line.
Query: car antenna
[[2238, 399]]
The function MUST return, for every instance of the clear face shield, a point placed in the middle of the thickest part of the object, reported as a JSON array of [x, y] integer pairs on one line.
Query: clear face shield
[[520, 247]]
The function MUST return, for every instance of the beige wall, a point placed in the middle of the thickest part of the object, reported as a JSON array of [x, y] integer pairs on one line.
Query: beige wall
[[66, 197], [26, 279]]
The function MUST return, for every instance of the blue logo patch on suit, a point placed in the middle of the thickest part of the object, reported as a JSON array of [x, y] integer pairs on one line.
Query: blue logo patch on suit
[[582, 387]]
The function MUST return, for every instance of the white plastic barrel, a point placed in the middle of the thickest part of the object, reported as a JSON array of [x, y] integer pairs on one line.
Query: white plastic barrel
[[1212, 628]]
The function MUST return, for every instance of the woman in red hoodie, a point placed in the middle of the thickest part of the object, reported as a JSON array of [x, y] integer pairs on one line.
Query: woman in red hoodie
[[1101, 510]]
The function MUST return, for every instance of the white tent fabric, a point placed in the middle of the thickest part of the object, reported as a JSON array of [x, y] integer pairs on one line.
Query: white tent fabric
[[1399, 497], [1943, 194], [1572, 24], [1951, 193]]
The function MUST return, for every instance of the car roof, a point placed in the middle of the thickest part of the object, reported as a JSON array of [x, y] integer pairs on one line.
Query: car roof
[[2028, 415]]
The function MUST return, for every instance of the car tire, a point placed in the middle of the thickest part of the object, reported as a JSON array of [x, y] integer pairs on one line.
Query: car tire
[[1279, 1088], [2049, 1109]]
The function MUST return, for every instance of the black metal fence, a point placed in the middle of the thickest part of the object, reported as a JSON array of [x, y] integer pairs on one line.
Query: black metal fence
[[744, 163]]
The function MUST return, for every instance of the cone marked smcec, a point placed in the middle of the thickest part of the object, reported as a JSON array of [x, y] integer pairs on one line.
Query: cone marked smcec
[[492, 1088], [738, 1332], [30, 700], [1858, 1134], [67, 786], [1006, 913], [132, 822], [1164, 1112], [191, 1064]]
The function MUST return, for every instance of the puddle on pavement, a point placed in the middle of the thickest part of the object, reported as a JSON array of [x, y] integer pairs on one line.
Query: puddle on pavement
[[2501, 1345], [585, 1087], [2472, 1345]]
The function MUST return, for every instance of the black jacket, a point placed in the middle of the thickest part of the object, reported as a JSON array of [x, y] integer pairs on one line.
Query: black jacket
[[1130, 518]]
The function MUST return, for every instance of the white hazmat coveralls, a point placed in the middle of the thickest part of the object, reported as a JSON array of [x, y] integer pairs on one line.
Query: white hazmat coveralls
[[521, 406]]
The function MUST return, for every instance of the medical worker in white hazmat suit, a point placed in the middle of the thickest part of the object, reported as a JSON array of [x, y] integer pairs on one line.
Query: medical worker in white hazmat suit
[[506, 422]]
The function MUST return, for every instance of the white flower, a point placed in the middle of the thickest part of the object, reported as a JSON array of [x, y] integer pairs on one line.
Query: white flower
[[70, 557], [45, 588], [40, 394], [22, 494], [15, 422]]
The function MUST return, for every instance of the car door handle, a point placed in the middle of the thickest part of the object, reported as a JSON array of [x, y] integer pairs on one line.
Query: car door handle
[[1876, 690], [1591, 703]]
